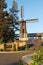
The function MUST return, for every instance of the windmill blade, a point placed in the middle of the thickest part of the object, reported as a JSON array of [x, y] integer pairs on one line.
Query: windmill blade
[[32, 20], [28, 20]]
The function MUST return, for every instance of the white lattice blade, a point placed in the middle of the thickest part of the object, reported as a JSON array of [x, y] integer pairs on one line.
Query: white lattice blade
[[32, 20]]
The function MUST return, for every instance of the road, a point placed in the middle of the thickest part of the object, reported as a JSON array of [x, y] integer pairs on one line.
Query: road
[[12, 58]]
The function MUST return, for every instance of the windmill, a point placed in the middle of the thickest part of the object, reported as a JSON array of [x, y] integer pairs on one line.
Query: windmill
[[23, 32]]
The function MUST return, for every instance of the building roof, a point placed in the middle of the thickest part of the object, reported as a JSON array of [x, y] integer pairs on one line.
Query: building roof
[[32, 35], [35, 34]]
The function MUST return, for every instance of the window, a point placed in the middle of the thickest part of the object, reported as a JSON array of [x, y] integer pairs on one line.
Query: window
[[23, 30]]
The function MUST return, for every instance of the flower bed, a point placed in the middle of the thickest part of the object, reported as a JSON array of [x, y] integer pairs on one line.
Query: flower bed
[[34, 59]]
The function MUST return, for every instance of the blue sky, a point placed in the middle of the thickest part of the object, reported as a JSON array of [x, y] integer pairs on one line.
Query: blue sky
[[32, 9]]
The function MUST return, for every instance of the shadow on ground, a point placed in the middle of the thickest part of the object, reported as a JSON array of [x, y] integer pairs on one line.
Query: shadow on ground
[[17, 63]]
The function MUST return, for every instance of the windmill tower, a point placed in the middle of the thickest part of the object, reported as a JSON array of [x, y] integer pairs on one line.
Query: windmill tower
[[23, 31]]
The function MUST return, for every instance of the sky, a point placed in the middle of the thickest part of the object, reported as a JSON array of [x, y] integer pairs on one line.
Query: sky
[[32, 9]]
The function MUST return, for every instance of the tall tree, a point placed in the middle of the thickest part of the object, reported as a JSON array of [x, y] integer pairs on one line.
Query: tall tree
[[3, 18], [8, 22], [13, 11]]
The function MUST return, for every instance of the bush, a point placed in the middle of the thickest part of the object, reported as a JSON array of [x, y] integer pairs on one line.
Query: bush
[[20, 62], [26, 47], [38, 58]]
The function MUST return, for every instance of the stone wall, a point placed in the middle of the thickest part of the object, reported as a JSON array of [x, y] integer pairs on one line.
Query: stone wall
[[13, 45], [1, 46]]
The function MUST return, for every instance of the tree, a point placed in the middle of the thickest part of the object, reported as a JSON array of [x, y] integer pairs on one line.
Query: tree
[[8, 21], [13, 11], [3, 18]]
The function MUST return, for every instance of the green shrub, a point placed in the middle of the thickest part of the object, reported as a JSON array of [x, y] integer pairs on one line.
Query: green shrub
[[1, 40], [38, 58], [26, 47], [20, 62]]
